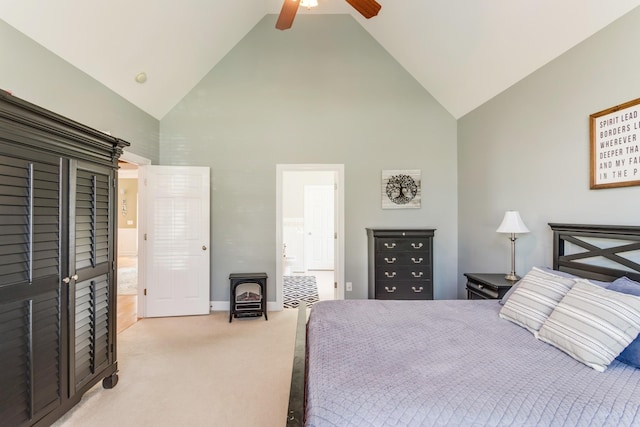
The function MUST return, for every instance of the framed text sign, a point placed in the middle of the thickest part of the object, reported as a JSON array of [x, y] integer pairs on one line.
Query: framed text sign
[[615, 140]]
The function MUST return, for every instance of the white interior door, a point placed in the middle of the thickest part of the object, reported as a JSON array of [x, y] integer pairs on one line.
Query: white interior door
[[177, 223], [319, 228]]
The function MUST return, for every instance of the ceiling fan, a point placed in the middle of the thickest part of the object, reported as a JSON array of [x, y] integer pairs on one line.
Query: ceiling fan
[[367, 8]]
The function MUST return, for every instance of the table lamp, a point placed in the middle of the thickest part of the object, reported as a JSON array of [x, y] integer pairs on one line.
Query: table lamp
[[512, 224]]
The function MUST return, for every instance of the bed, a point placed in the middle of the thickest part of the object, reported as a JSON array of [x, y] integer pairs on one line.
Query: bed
[[458, 362]]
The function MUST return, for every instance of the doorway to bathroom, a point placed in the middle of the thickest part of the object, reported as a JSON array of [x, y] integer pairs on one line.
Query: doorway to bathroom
[[128, 249], [310, 233]]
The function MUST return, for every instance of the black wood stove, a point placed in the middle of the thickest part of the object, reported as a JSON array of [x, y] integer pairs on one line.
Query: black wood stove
[[248, 295]]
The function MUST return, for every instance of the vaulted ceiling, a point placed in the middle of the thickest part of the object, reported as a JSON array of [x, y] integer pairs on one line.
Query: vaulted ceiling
[[464, 52]]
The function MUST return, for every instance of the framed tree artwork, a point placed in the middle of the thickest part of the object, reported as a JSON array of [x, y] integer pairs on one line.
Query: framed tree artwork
[[401, 189]]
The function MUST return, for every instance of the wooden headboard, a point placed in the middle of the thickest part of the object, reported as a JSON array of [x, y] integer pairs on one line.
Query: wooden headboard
[[599, 252]]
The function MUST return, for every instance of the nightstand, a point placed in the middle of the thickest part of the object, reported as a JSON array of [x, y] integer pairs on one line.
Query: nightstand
[[487, 286]]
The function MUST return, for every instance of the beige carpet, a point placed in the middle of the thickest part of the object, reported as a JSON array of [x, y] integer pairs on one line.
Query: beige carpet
[[196, 371]]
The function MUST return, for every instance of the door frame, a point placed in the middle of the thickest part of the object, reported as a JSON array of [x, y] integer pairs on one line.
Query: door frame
[[338, 219], [139, 161]]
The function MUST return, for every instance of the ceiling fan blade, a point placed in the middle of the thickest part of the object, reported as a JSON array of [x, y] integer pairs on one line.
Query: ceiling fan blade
[[367, 8], [287, 14]]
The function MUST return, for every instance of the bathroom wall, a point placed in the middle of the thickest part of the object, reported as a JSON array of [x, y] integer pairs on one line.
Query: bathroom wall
[[128, 213]]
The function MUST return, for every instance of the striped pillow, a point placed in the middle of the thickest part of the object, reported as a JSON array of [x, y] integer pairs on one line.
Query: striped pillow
[[536, 296], [592, 324]]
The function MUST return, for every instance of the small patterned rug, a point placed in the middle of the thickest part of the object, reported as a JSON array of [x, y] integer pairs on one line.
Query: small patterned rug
[[299, 288]]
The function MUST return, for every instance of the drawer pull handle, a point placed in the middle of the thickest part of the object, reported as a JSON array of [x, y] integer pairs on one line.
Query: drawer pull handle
[[418, 274], [417, 290], [390, 290], [390, 261], [389, 245], [392, 274], [417, 246], [417, 261]]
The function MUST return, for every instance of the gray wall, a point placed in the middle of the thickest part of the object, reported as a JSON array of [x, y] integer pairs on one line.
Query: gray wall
[[310, 95], [32, 73], [528, 150], [323, 92]]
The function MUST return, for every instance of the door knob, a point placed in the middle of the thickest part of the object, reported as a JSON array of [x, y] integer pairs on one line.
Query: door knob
[[74, 277], [204, 248], [66, 279]]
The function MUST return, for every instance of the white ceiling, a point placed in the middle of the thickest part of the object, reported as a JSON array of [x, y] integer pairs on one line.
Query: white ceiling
[[464, 52]]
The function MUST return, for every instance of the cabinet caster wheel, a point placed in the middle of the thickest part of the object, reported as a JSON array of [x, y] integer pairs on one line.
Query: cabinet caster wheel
[[110, 381]]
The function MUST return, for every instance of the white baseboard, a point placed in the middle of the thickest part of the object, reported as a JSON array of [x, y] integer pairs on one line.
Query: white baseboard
[[224, 306], [219, 305]]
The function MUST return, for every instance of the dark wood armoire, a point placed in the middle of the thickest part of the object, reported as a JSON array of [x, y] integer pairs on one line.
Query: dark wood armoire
[[58, 192]]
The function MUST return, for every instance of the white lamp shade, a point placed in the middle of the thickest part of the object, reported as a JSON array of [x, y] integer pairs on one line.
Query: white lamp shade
[[512, 223]]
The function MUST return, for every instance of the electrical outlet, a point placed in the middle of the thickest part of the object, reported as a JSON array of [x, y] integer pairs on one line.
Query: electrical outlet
[[349, 286]]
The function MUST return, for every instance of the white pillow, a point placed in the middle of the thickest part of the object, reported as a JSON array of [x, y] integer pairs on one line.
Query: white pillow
[[592, 324], [536, 296]]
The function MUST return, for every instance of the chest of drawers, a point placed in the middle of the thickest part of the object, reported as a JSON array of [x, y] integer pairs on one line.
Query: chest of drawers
[[400, 263]]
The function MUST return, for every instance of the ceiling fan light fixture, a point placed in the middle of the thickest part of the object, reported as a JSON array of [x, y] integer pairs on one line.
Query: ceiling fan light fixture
[[367, 8], [309, 3]]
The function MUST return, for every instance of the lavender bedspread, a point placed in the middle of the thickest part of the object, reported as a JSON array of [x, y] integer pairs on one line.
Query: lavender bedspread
[[454, 363]]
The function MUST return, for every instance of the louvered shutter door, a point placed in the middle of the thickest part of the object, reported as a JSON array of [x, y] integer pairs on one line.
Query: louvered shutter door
[[92, 265], [30, 306], [14, 221], [15, 394]]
